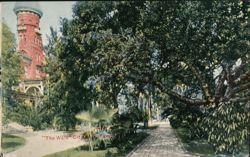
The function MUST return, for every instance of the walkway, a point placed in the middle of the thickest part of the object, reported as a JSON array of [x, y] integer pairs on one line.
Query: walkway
[[41, 143], [162, 142]]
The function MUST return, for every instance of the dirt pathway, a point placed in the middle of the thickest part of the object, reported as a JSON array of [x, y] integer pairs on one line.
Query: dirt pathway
[[41, 143]]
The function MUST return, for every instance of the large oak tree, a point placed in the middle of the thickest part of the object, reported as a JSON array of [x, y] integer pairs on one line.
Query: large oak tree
[[200, 46]]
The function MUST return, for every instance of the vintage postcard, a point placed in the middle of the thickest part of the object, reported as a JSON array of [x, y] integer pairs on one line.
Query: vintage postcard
[[125, 78]]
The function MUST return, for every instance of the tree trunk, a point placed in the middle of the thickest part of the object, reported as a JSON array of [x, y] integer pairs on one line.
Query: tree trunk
[[150, 110]]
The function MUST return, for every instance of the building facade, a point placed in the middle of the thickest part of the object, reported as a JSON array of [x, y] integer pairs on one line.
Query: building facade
[[30, 47]]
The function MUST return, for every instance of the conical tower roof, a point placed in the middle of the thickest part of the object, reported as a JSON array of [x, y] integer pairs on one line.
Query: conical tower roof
[[28, 6]]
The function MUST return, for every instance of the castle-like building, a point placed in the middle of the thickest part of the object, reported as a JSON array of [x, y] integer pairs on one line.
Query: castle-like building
[[30, 47]]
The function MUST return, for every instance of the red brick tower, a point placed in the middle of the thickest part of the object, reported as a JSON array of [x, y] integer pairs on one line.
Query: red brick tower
[[31, 49], [30, 41]]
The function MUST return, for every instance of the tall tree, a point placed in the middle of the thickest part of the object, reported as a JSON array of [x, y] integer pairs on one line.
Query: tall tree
[[64, 97], [202, 46], [10, 72], [77, 76], [11, 67]]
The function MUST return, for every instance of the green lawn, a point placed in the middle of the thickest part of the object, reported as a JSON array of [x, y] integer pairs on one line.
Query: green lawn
[[82, 151], [200, 147], [11, 142]]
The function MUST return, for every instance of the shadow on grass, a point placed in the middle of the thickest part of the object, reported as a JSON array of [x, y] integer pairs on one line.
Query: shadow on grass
[[11, 143], [201, 147]]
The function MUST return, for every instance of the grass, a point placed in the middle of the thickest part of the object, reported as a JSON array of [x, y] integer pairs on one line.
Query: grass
[[11, 142], [83, 151], [79, 152], [200, 147]]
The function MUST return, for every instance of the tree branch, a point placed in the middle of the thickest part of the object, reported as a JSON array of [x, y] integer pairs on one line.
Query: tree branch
[[245, 99], [182, 98], [230, 83], [241, 88], [219, 87], [203, 84], [236, 72], [196, 102]]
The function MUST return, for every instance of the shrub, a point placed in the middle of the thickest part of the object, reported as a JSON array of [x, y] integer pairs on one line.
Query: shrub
[[29, 116]]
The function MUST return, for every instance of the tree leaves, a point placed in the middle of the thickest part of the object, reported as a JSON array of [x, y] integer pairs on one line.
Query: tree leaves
[[164, 45], [11, 66]]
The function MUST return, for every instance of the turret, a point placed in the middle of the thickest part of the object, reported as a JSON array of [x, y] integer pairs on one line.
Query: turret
[[30, 39]]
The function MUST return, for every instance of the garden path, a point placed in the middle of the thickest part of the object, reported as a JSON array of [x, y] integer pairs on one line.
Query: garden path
[[162, 142]]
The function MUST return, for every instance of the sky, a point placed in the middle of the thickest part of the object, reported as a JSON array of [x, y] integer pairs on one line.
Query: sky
[[52, 11]]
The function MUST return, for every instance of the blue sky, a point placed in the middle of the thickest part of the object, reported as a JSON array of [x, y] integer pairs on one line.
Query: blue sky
[[52, 11]]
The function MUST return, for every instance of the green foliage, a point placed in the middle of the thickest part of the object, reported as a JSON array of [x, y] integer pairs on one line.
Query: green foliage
[[190, 45], [198, 146], [79, 152], [29, 116], [228, 127], [191, 118], [124, 132], [11, 67], [124, 126], [96, 114], [175, 122], [74, 66], [10, 72], [92, 117], [63, 94], [225, 127], [205, 36]]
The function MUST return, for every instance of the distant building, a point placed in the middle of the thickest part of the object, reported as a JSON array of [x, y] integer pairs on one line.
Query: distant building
[[30, 47]]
